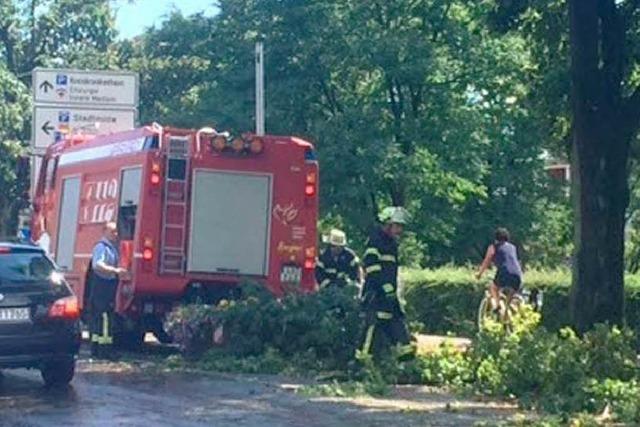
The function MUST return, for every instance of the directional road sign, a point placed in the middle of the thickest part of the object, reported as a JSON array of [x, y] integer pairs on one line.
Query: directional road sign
[[94, 88], [50, 122]]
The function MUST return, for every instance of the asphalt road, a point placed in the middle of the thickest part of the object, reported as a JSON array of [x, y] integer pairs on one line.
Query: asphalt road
[[126, 394]]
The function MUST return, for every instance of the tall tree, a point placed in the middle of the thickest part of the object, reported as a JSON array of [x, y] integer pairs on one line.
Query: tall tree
[[587, 54], [408, 102], [606, 117]]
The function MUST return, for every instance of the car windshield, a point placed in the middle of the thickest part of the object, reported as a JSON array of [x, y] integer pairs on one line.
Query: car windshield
[[20, 265]]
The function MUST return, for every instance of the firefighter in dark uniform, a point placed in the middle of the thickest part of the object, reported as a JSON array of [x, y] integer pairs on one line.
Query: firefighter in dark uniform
[[337, 265], [103, 282], [385, 325]]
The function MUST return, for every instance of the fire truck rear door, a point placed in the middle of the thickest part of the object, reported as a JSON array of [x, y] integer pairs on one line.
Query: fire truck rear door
[[68, 225], [230, 219]]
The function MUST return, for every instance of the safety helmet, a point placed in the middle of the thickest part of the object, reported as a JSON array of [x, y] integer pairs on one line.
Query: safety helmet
[[394, 215], [336, 238]]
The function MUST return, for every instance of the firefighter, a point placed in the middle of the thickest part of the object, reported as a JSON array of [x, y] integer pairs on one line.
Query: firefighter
[[385, 325], [337, 265], [103, 281]]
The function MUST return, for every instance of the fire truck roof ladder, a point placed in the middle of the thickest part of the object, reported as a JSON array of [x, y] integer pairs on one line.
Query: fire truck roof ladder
[[174, 210]]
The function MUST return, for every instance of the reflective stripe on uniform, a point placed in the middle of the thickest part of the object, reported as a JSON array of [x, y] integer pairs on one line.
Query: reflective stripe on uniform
[[330, 270], [384, 315], [319, 263], [388, 288], [103, 338], [403, 350], [325, 282], [105, 325], [368, 340], [372, 251], [106, 336], [373, 268], [388, 258], [355, 261]]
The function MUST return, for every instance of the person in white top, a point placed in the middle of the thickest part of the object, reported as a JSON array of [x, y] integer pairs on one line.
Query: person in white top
[[44, 241]]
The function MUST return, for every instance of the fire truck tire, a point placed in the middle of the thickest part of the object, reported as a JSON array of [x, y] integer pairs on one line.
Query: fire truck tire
[[163, 336], [129, 340], [128, 335], [157, 327]]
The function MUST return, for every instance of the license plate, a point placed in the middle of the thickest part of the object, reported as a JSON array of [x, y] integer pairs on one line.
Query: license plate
[[291, 274], [20, 314]]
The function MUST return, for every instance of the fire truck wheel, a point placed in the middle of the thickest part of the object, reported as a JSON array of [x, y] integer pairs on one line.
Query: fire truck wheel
[[163, 337], [128, 335], [129, 340], [157, 327]]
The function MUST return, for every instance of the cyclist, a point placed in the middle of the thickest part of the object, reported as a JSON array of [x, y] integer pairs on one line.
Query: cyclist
[[337, 265], [509, 272]]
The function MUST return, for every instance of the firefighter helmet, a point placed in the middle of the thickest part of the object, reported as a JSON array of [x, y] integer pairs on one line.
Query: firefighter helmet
[[336, 238], [394, 215]]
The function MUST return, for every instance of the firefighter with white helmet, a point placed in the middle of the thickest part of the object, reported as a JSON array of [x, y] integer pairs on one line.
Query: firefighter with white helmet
[[385, 323], [337, 265]]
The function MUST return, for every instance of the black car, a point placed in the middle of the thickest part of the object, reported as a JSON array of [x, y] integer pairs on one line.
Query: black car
[[39, 326]]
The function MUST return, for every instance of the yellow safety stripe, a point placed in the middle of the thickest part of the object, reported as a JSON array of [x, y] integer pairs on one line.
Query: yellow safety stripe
[[373, 268], [372, 251], [405, 349], [366, 347], [388, 288], [388, 258], [105, 338], [105, 325], [384, 315]]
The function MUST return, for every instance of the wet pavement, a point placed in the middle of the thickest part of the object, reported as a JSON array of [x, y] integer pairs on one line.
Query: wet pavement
[[124, 394]]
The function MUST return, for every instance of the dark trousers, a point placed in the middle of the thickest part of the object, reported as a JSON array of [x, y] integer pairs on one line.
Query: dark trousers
[[103, 293], [384, 330]]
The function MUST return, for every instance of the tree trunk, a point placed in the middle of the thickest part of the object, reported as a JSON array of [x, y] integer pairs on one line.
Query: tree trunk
[[600, 148], [600, 204]]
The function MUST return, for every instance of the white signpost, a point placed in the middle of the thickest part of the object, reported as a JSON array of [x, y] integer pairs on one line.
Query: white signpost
[[94, 88], [51, 121], [73, 101]]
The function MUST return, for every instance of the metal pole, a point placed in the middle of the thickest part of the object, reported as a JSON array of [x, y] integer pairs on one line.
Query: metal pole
[[259, 89]]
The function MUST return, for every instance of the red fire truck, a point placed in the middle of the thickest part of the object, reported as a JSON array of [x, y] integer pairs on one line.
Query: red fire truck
[[198, 213]]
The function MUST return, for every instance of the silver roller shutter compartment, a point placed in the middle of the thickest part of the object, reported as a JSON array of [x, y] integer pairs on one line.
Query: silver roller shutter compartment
[[230, 217]]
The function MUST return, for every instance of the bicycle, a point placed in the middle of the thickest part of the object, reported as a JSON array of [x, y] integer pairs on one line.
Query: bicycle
[[508, 306]]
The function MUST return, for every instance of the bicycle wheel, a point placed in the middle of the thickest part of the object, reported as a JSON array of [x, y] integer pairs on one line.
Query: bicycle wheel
[[485, 311], [510, 310]]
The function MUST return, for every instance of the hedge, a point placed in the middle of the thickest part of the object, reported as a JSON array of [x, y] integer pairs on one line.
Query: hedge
[[446, 300]]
